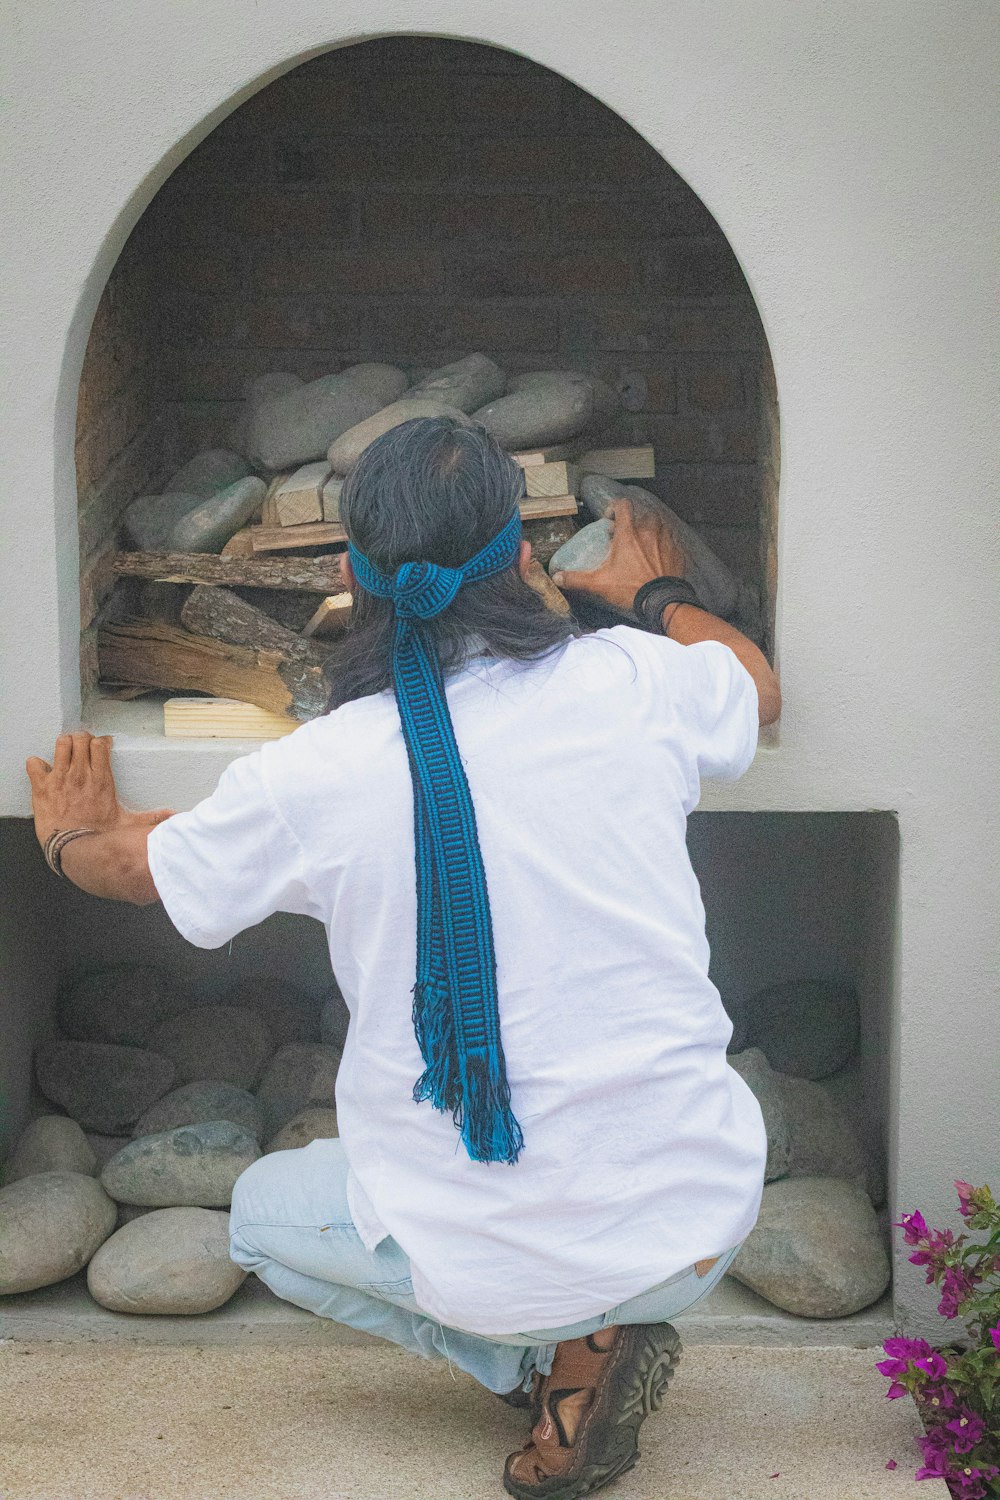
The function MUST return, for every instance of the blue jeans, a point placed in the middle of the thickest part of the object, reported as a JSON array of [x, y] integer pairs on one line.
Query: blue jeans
[[291, 1226]]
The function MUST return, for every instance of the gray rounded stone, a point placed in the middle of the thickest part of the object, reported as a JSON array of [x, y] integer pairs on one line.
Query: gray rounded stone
[[194, 1166], [220, 1042], [50, 1226], [546, 406], [816, 1250], [468, 383], [274, 383], [588, 548], [52, 1143], [808, 1028], [290, 1014], [120, 1005], [208, 472], [210, 524], [310, 1125], [333, 1022], [298, 425], [174, 1261], [300, 1077], [150, 520], [757, 1073], [103, 1087], [194, 1103], [345, 451], [717, 587], [105, 1147]]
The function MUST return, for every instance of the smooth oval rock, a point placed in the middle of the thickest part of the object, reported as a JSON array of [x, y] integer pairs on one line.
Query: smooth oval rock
[[348, 448], [333, 1022], [52, 1143], [105, 1147], [717, 587], [290, 1014], [383, 383], [757, 1073], [208, 472], [120, 1004], [211, 523], [588, 548], [808, 1028], [150, 520], [310, 1125], [102, 1087], [468, 383], [172, 1261], [194, 1103], [546, 406], [194, 1166], [816, 1250], [299, 1077], [219, 1042], [50, 1226], [298, 425]]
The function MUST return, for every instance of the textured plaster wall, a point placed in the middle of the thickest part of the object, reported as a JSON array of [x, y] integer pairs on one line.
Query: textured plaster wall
[[847, 151]]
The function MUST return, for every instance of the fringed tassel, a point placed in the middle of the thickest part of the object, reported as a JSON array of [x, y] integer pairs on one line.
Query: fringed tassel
[[487, 1123], [434, 1025]]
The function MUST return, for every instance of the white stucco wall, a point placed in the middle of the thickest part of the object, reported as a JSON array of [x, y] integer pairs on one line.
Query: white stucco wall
[[847, 151]]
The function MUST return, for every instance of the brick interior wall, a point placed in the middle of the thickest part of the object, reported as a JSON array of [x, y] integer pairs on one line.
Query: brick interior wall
[[413, 200]]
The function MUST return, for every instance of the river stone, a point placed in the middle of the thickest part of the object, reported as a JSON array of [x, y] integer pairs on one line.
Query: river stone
[[173, 1261], [193, 1166], [718, 589], [105, 1147], [816, 1250], [150, 520], [823, 1140], [50, 1226], [194, 1103], [208, 472], [219, 1042], [808, 1028], [586, 549], [333, 1022], [310, 1125], [297, 426], [349, 446], [274, 383], [546, 406], [52, 1143], [468, 383], [757, 1073], [290, 1014], [102, 1087], [300, 1077], [209, 526], [120, 1005]]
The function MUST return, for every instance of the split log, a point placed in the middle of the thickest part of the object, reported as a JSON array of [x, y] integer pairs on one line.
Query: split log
[[288, 538], [224, 616], [222, 719], [145, 653], [311, 575], [551, 479]]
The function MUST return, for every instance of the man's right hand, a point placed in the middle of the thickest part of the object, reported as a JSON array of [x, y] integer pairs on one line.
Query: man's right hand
[[642, 548]]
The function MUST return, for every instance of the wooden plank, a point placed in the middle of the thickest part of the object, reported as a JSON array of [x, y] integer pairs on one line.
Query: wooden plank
[[619, 463], [331, 617], [268, 509], [536, 578], [222, 719], [287, 538], [299, 499], [331, 498], [311, 575], [546, 506], [544, 480], [530, 458]]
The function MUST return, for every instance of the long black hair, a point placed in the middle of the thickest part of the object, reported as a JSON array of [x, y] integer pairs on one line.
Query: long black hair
[[436, 490]]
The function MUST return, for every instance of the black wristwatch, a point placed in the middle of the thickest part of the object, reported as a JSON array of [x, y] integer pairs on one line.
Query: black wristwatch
[[653, 598]]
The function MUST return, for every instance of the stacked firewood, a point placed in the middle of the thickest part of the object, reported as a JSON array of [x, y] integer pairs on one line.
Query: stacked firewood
[[229, 581]]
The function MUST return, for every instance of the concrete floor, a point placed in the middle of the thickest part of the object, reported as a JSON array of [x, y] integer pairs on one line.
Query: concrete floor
[[350, 1422]]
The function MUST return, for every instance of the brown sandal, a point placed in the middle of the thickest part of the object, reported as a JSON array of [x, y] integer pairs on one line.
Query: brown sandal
[[600, 1391]]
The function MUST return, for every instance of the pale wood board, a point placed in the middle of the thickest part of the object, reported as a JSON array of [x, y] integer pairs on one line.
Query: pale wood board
[[222, 719], [299, 499], [544, 507], [331, 617], [530, 458], [287, 538], [544, 480]]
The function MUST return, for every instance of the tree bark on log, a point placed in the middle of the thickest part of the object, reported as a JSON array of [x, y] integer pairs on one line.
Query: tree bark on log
[[312, 575]]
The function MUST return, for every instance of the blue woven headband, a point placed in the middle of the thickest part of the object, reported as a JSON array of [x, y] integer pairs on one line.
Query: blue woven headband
[[455, 1013]]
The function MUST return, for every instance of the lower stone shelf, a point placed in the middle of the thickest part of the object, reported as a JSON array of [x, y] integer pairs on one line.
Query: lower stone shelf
[[731, 1314]]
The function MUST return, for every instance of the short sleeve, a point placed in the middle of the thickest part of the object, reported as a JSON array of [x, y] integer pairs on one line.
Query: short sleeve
[[721, 709], [229, 862]]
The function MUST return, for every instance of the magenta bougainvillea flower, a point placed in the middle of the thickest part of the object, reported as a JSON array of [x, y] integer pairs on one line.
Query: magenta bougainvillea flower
[[967, 1430], [914, 1227], [939, 1397], [934, 1366], [957, 1286], [965, 1191], [995, 1336], [970, 1483]]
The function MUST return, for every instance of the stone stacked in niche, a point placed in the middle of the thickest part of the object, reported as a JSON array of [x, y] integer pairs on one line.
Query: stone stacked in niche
[[170, 1091]]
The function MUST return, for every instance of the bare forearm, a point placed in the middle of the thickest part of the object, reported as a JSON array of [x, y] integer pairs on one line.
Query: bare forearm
[[113, 865], [687, 624]]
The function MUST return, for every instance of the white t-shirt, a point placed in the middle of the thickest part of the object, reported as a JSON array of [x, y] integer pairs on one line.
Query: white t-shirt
[[644, 1151]]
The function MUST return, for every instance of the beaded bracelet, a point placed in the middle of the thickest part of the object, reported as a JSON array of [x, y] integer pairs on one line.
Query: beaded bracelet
[[56, 843]]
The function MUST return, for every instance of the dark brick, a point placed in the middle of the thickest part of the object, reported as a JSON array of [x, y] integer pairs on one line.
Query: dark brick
[[112, 431], [709, 494], [493, 327], [282, 267], [203, 319], [695, 268], [213, 268], [422, 216], [740, 549], [522, 273], [612, 161], [648, 326], [715, 386], [530, 161], [337, 160], [653, 389], [309, 323], [688, 439], [482, 105]]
